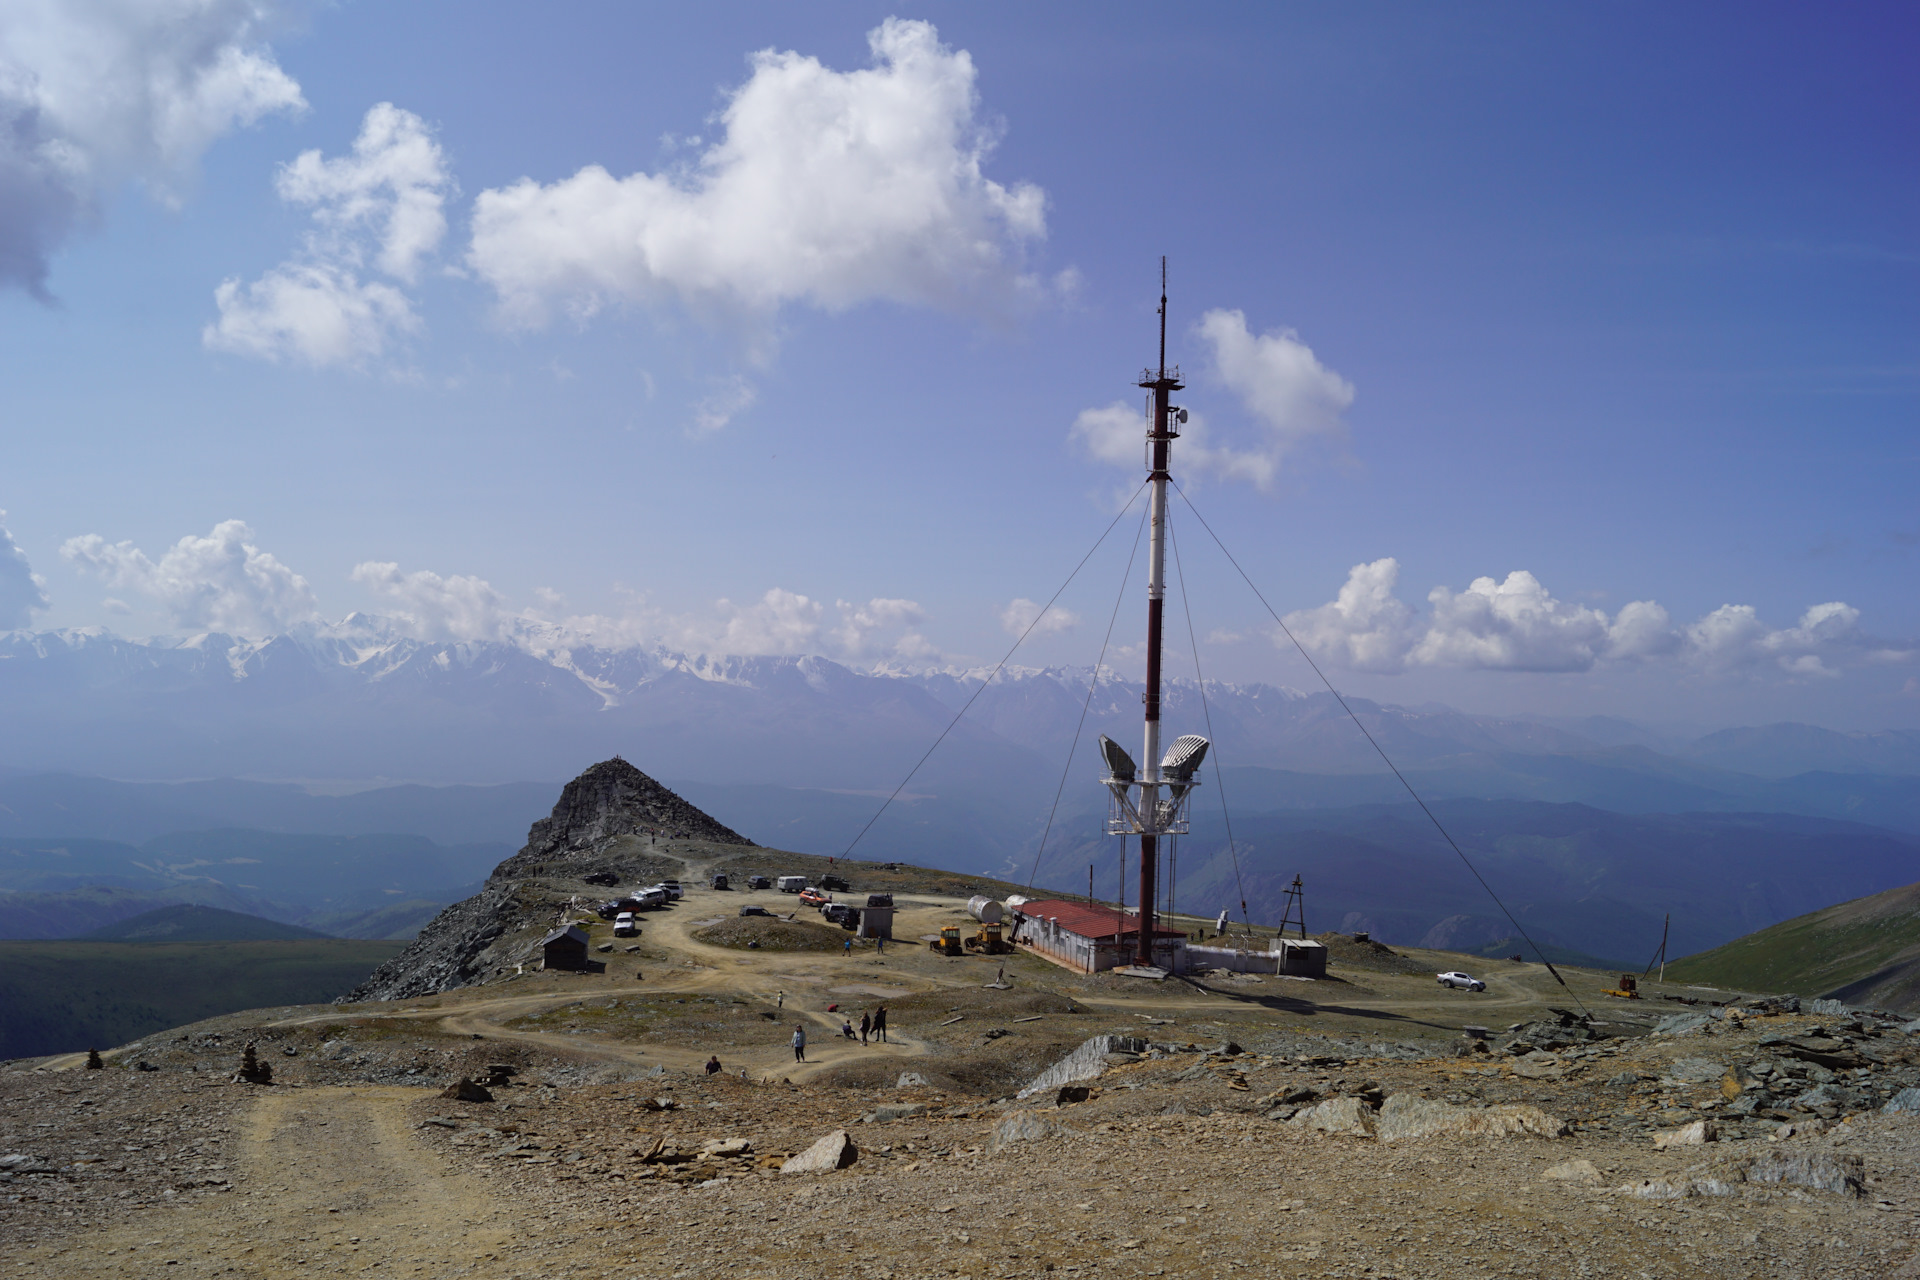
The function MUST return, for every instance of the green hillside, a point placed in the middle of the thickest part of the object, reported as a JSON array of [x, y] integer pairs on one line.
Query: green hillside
[[1865, 952], [184, 922], [59, 997]]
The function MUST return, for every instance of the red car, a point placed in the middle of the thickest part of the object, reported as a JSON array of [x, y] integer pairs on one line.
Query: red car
[[815, 898]]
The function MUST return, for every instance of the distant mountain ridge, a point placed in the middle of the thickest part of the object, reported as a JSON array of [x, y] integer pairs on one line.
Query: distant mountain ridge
[[188, 923], [361, 699]]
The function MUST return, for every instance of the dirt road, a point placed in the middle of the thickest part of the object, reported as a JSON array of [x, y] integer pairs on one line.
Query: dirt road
[[326, 1180]]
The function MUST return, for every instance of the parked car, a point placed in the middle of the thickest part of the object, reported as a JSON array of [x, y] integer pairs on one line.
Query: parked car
[[623, 925], [1453, 978], [751, 910], [759, 882], [673, 889], [844, 914], [815, 898], [879, 899], [654, 897], [718, 881], [834, 882], [608, 910]]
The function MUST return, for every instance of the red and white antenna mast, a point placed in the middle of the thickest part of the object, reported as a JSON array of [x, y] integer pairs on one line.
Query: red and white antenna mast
[[1152, 814]]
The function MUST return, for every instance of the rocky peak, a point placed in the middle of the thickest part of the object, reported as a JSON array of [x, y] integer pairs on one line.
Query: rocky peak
[[610, 800]]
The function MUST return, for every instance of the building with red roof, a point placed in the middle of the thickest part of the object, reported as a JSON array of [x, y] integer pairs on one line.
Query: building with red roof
[[1088, 939]]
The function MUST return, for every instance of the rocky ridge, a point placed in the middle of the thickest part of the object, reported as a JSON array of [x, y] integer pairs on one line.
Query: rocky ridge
[[607, 820]]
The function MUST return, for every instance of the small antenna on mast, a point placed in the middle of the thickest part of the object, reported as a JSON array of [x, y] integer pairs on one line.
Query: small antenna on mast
[[1163, 315]]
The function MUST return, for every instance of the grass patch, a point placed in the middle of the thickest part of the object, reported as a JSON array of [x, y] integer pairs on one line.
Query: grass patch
[[741, 932]]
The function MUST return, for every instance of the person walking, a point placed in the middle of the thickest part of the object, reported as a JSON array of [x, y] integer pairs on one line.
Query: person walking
[[866, 1025], [880, 1023], [799, 1043], [848, 949]]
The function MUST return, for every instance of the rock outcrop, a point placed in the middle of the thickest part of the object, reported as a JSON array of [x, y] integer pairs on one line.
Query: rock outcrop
[[608, 801], [600, 824]]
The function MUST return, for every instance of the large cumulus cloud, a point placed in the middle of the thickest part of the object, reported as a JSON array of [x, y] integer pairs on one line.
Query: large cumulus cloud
[[1516, 624], [94, 93]]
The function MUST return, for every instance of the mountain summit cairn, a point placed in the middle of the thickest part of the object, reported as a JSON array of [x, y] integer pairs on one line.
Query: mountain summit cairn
[[610, 800]]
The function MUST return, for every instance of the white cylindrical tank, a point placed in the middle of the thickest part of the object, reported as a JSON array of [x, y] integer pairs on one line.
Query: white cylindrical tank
[[986, 910], [1015, 901]]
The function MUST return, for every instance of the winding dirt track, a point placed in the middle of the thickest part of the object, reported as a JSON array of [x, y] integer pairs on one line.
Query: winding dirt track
[[334, 1180]]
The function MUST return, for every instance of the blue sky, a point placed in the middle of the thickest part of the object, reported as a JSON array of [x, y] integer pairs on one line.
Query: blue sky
[[1619, 298]]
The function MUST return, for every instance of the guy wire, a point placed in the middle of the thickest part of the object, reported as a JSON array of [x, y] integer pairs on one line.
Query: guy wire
[[996, 670], [1431, 817]]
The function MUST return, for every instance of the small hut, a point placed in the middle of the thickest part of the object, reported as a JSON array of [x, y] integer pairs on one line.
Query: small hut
[[564, 949]]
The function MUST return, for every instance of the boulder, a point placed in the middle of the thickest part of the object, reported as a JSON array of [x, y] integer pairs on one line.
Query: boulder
[[726, 1148], [835, 1151], [1681, 1024], [1070, 1094], [1023, 1126], [1349, 1116], [1841, 1175], [894, 1111], [1797, 1129], [1083, 1064], [1696, 1134], [1406, 1116], [465, 1090], [912, 1080], [1579, 1172], [1694, 1070], [1539, 1065], [1905, 1102]]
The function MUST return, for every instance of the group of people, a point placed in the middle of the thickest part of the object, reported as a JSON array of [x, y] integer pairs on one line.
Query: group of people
[[873, 1028]]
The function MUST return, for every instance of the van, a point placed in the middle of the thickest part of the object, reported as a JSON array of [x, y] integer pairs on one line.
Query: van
[[792, 884]]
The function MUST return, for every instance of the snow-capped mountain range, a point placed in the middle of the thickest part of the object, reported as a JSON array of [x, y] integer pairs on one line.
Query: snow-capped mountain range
[[362, 699]]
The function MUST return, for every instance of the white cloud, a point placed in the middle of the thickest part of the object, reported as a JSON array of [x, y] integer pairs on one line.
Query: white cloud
[[381, 207], [1020, 615], [23, 592], [831, 188], [780, 622], [1365, 627], [1278, 380], [734, 396], [317, 313], [458, 608], [859, 624], [95, 94], [1513, 625], [1733, 637], [1518, 625], [221, 582]]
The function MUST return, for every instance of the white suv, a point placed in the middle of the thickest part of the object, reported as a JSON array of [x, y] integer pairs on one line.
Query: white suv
[[1464, 981]]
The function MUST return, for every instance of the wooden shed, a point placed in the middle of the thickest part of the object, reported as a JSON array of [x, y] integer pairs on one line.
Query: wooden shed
[[564, 949]]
